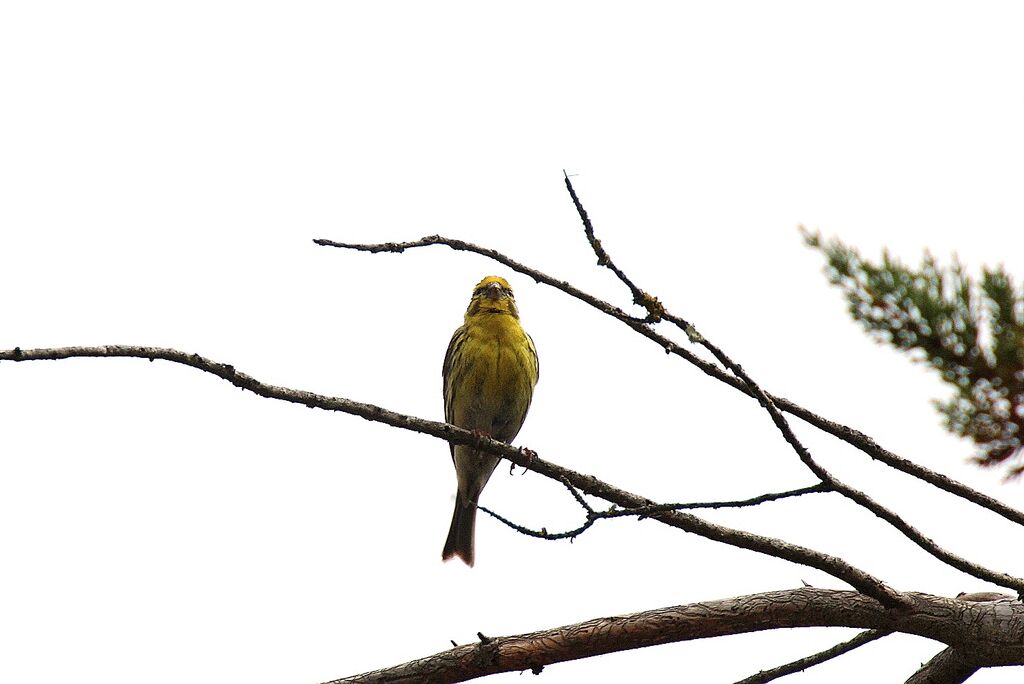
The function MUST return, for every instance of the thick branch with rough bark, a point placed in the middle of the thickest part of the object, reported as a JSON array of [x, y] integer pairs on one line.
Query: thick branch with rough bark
[[949, 666], [992, 632]]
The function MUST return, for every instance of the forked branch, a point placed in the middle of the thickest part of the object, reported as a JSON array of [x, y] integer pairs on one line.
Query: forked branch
[[658, 311]]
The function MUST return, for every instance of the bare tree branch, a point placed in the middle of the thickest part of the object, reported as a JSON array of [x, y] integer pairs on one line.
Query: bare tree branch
[[837, 567], [816, 659], [847, 434], [647, 511], [743, 383], [953, 665], [981, 628], [819, 488], [657, 311], [949, 666], [868, 446]]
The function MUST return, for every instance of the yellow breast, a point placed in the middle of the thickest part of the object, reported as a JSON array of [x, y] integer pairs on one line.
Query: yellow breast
[[493, 371]]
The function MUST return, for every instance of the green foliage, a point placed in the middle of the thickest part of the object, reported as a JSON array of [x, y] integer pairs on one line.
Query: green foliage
[[972, 335]]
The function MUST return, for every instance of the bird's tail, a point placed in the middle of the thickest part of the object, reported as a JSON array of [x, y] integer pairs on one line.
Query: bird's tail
[[460, 534]]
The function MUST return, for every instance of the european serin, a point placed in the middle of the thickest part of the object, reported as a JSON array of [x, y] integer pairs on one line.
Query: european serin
[[489, 373]]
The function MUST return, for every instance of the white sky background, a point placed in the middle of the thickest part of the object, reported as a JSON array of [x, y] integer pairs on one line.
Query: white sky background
[[164, 169]]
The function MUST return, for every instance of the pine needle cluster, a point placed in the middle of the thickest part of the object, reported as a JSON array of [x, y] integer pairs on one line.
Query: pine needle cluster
[[971, 332]]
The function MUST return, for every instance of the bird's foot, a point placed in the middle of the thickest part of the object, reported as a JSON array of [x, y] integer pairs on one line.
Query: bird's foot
[[530, 454]]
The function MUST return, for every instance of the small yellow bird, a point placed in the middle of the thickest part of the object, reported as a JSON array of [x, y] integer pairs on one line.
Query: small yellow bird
[[489, 373]]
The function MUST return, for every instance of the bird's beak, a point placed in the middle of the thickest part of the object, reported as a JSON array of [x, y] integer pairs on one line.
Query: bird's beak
[[493, 291]]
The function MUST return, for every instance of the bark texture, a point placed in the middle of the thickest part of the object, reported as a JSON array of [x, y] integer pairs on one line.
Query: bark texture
[[992, 632]]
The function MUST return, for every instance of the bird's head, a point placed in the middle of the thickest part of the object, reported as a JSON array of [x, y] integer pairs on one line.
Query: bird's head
[[493, 295]]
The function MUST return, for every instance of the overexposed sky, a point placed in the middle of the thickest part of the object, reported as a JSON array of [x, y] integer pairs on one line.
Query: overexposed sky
[[164, 169]]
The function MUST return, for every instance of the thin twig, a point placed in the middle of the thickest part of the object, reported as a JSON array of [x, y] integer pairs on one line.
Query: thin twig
[[837, 567], [812, 660], [641, 512], [543, 533], [821, 487], [640, 298], [647, 511], [579, 497]]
